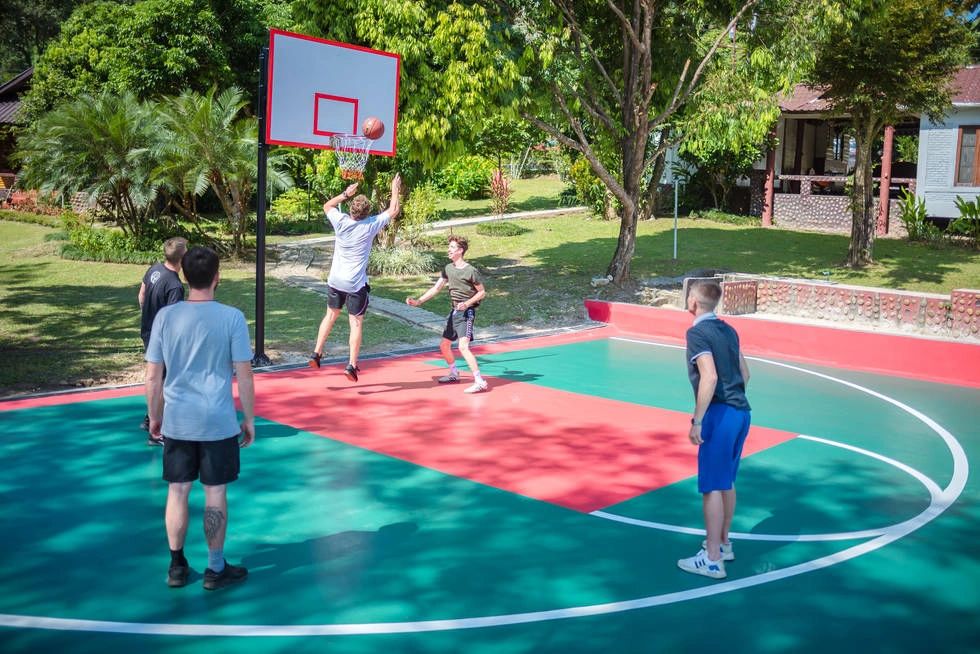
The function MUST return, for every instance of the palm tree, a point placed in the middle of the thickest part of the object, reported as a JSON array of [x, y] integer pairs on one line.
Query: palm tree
[[96, 145], [208, 143]]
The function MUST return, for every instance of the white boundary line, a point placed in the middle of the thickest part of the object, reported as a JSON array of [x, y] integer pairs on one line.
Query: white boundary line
[[940, 502], [931, 486]]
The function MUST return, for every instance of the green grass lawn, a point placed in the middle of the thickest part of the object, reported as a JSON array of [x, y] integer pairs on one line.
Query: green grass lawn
[[64, 322], [530, 194], [543, 275]]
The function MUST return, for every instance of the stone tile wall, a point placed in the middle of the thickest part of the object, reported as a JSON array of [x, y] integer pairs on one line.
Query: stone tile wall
[[954, 316]]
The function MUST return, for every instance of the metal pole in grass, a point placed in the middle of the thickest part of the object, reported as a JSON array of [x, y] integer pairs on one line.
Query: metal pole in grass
[[260, 359], [673, 179]]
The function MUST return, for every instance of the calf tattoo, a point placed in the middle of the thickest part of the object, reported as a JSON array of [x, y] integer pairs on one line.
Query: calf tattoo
[[214, 522]]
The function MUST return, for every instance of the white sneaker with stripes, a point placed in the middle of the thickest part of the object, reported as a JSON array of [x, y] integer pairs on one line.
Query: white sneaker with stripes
[[700, 564]]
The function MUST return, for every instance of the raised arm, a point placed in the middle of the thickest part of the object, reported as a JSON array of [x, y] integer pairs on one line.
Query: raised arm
[[335, 201], [395, 205]]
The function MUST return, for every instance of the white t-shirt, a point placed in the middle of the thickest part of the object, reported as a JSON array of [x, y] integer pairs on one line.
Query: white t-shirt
[[348, 270], [199, 343]]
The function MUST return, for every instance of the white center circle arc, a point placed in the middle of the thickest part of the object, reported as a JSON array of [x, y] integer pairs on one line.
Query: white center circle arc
[[940, 500]]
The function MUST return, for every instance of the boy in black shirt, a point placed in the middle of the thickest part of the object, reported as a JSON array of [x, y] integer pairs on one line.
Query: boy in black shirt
[[161, 286]]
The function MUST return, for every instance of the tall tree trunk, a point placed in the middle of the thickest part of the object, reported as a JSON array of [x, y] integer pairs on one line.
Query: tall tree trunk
[[619, 267], [863, 220]]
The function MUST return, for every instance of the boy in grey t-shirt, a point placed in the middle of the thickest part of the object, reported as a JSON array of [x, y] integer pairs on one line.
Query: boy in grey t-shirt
[[465, 292], [348, 280], [202, 343]]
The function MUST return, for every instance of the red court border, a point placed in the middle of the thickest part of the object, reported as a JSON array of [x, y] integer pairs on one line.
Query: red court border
[[925, 359]]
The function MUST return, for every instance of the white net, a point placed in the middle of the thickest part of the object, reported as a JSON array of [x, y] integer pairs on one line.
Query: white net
[[352, 154]]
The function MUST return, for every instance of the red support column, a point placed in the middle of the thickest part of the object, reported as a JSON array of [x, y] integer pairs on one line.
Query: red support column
[[886, 181], [769, 192]]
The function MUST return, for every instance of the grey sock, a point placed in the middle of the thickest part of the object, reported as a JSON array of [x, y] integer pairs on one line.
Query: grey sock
[[216, 560]]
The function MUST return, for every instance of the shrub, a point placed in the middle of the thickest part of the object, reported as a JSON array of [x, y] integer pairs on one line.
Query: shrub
[[26, 217], [401, 260], [912, 213], [501, 228], [294, 212], [465, 178], [590, 190], [70, 251], [968, 224], [718, 216], [419, 209], [89, 243], [500, 192]]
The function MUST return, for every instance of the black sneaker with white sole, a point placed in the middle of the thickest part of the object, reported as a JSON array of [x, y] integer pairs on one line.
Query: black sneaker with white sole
[[351, 372], [231, 574]]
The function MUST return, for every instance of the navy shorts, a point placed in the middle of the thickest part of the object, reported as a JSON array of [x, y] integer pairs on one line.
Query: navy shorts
[[723, 431], [460, 324], [357, 303], [216, 462]]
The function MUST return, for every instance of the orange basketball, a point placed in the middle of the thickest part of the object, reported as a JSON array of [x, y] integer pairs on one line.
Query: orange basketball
[[372, 128]]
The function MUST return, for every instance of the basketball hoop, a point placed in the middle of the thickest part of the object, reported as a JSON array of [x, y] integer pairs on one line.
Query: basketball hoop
[[352, 154]]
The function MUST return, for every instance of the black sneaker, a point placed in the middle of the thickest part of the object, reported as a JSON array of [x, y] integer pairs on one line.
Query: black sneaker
[[351, 372], [158, 442], [314, 361], [178, 575], [145, 425], [232, 574]]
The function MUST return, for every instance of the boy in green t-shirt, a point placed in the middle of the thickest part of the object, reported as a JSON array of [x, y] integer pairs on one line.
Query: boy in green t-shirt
[[465, 292]]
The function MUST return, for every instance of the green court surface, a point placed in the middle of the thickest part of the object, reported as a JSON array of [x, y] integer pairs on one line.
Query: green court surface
[[859, 534]]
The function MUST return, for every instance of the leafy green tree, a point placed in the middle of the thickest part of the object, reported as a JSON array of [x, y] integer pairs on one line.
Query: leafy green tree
[[892, 58], [501, 136], [97, 145], [153, 48], [728, 123], [76, 62], [25, 28], [211, 144], [454, 70], [618, 77]]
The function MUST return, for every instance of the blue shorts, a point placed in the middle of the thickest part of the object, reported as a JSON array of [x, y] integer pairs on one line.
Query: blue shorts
[[723, 431]]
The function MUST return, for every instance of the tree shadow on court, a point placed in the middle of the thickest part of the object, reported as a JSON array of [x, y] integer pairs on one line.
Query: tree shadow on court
[[273, 558]]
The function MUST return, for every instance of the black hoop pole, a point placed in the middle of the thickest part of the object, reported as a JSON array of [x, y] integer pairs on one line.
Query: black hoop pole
[[260, 358]]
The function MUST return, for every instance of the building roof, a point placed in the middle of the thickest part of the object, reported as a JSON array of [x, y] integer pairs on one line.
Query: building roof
[[805, 99], [8, 111], [809, 99], [967, 87], [10, 92]]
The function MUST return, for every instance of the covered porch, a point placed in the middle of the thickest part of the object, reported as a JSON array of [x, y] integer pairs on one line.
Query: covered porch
[[803, 183]]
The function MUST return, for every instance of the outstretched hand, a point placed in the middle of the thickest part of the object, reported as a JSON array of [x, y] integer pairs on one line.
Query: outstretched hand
[[396, 185], [412, 302], [351, 190]]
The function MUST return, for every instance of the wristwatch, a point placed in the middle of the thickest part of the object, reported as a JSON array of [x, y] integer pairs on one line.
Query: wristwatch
[[695, 422]]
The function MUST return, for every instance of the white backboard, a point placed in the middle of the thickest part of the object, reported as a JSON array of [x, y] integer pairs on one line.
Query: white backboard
[[318, 88]]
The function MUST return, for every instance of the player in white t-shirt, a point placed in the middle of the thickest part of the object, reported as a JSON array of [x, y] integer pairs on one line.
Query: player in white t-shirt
[[348, 280]]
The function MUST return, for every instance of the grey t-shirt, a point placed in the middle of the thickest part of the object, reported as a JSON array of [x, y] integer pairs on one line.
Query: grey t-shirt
[[348, 270], [461, 282], [199, 342]]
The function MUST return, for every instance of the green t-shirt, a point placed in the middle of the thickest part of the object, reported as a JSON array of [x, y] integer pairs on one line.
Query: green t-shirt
[[462, 282]]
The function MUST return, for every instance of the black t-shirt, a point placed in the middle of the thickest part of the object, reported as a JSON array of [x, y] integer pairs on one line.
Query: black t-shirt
[[716, 337], [163, 287]]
